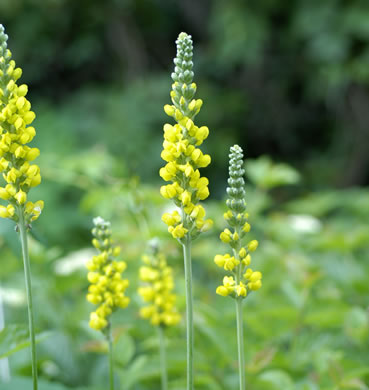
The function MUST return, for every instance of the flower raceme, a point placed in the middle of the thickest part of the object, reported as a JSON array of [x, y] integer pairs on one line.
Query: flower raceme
[[181, 151], [157, 290], [15, 133], [107, 286], [243, 278]]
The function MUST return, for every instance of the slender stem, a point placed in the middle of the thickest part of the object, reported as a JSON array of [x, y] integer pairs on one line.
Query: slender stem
[[163, 359], [189, 310], [111, 361], [241, 351], [27, 276]]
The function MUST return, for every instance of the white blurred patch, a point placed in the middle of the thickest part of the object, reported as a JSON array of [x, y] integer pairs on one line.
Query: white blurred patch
[[170, 208], [4, 363], [305, 223], [12, 296], [73, 261]]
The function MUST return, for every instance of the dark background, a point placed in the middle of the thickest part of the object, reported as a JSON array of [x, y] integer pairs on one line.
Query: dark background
[[288, 79]]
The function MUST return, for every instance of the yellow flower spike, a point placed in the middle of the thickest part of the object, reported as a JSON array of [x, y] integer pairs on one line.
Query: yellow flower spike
[[180, 148], [157, 291], [106, 288], [236, 215]]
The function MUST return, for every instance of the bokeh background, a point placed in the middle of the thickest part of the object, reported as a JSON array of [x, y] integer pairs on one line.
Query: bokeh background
[[289, 82]]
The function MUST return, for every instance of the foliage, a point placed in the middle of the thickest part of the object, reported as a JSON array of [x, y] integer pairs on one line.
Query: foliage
[[307, 328]]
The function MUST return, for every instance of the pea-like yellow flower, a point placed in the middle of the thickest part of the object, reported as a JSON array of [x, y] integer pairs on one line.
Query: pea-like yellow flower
[[107, 287], [243, 279], [157, 289], [181, 152], [16, 117]]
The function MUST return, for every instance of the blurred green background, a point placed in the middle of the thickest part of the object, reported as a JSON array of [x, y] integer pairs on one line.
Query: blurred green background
[[289, 82]]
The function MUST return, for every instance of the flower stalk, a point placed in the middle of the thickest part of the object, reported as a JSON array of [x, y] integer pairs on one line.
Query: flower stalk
[[163, 358], [184, 159], [109, 337], [189, 311], [27, 276]]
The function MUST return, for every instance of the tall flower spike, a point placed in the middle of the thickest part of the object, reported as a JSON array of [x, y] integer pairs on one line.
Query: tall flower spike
[[181, 153], [157, 289], [16, 116], [243, 279], [107, 286], [16, 168], [184, 159]]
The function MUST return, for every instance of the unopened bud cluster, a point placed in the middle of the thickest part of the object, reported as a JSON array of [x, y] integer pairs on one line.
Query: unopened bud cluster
[[15, 133], [107, 286], [157, 290], [243, 279], [181, 153]]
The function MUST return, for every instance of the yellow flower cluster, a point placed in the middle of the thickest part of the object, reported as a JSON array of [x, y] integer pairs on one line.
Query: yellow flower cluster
[[157, 290], [243, 279], [181, 153], [15, 133], [107, 286]]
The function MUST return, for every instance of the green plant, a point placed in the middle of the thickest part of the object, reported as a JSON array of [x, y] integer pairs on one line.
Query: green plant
[[183, 162], [243, 280], [19, 174], [107, 287]]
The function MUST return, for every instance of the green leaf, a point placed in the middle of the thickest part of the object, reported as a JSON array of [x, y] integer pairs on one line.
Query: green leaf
[[266, 174], [276, 380], [13, 338]]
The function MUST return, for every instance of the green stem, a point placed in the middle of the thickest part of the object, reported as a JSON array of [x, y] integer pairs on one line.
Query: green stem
[[111, 362], [27, 276], [189, 310], [241, 352], [163, 359]]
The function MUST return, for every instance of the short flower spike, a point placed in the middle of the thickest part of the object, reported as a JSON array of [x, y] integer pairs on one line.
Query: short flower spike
[[243, 279], [15, 133], [107, 286], [157, 289]]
